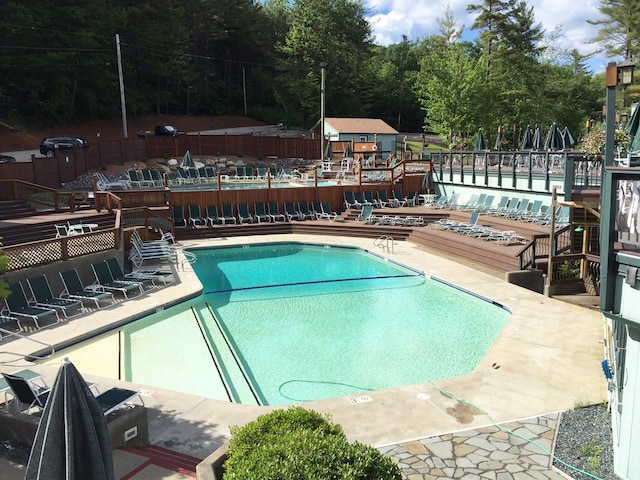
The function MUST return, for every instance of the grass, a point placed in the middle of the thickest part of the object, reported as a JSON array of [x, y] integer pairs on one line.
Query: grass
[[592, 452]]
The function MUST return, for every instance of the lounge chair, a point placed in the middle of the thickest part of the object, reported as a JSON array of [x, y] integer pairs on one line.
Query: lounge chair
[[18, 306], [291, 212], [411, 199], [243, 213], [118, 274], [179, 220], [398, 199], [305, 212], [43, 297], [105, 281], [274, 211], [261, 214], [212, 214], [138, 254], [350, 200], [327, 213], [360, 200], [34, 378], [7, 321], [112, 399], [63, 231], [316, 208], [147, 179], [383, 198], [109, 400], [24, 394], [227, 214], [134, 178], [195, 216], [368, 196], [502, 204], [157, 177], [367, 215], [73, 288]]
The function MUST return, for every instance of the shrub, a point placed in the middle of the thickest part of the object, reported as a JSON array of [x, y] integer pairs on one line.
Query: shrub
[[302, 444]]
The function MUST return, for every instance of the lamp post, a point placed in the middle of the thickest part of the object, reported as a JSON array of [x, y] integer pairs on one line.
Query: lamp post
[[552, 238], [615, 75]]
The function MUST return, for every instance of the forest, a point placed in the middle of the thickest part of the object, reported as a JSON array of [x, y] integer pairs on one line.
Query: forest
[[59, 62]]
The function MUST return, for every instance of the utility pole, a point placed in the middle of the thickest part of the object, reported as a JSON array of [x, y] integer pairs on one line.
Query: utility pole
[[323, 66], [122, 100]]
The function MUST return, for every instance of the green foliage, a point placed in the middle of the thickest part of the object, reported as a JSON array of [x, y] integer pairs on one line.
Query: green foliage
[[299, 444], [593, 453]]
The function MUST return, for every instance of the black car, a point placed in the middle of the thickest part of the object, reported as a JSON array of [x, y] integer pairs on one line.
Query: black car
[[6, 159], [49, 144]]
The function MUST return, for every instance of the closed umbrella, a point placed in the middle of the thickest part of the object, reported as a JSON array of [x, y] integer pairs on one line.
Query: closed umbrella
[[187, 160], [328, 152], [72, 441], [536, 142], [554, 140], [500, 139], [527, 139], [481, 143], [427, 181], [569, 141], [348, 153]]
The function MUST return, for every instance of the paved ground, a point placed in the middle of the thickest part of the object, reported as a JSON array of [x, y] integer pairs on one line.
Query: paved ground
[[546, 359]]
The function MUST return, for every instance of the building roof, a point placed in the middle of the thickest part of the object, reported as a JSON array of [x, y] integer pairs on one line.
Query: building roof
[[360, 125]]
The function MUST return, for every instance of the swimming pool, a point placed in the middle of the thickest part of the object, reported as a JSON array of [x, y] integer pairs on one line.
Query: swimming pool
[[286, 323]]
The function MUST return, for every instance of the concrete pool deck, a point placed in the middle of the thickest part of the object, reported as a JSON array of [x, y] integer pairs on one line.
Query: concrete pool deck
[[546, 359]]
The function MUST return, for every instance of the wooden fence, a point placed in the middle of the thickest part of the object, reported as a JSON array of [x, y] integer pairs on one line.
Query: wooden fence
[[68, 165]]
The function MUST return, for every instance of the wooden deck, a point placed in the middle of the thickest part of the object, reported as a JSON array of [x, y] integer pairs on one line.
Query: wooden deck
[[496, 257]]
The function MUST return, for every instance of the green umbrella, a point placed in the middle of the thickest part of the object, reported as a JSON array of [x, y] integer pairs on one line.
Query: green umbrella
[[480, 144], [527, 139], [500, 139], [554, 140], [536, 142], [569, 141], [72, 440]]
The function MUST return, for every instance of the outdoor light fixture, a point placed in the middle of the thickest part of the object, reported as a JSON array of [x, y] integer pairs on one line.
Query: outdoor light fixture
[[615, 75], [625, 72], [579, 229]]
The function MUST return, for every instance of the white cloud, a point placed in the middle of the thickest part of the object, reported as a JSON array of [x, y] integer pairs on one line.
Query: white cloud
[[416, 19]]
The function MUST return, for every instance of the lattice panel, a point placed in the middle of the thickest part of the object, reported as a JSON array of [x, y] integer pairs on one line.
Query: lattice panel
[[96, 242], [23, 256]]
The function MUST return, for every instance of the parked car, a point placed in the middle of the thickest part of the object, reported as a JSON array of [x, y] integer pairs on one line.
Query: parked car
[[49, 144], [7, 159]]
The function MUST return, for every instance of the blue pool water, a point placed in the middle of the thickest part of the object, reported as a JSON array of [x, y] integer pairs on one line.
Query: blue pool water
[[286, 323]]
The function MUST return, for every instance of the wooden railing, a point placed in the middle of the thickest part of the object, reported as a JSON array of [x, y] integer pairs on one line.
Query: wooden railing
[[538, 248], [38, 196]]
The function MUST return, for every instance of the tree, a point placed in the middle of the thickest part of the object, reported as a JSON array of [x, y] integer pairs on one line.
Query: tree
[[451, 88], [332, 31], [395, 71], [619, 32]]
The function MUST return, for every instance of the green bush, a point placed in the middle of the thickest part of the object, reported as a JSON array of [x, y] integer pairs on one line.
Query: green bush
[[302, 444]]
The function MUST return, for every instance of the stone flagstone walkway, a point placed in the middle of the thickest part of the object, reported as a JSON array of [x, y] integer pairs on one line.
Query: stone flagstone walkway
[[482, 453]]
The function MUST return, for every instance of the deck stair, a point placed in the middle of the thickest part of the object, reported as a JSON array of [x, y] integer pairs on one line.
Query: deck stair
[[15, 209]]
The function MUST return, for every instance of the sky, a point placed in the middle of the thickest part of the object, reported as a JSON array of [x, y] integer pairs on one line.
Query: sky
[[416, 19]]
